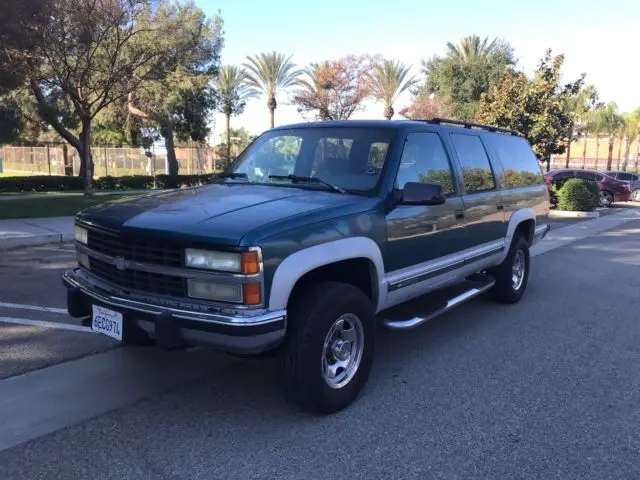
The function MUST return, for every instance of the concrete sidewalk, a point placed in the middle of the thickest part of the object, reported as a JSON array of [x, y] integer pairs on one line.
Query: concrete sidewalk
[[35, 231]]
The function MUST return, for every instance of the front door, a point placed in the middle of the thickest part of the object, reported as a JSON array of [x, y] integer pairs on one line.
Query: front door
[[418, 235]]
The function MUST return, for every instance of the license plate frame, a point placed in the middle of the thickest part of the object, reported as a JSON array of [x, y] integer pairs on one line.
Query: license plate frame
[[107, 322]]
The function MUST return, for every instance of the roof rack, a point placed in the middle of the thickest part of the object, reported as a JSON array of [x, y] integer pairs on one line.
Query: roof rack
[[490, 128]]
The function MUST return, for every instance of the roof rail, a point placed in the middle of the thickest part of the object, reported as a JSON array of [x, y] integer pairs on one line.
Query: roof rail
[[490, 128]]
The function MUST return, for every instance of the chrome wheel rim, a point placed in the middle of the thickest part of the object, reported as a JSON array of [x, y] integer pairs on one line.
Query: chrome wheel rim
[[636, 195], [517, 270], [605, 199], [342, 351]]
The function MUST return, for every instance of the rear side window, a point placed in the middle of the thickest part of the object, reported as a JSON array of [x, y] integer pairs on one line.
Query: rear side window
[[586, 175], [625, 177], [521, 167], [476, 169]]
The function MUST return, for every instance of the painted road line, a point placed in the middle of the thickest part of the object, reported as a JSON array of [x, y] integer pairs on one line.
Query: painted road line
[[43, 401], [37, 308], [58, 250], [44, 324]]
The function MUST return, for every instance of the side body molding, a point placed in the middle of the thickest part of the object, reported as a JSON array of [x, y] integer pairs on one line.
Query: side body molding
[[303, 261]]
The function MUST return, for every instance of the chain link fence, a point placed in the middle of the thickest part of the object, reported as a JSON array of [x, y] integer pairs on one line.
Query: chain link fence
[[113, 161]]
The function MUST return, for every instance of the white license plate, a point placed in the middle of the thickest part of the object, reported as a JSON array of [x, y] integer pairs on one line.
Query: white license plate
[[107, 322]]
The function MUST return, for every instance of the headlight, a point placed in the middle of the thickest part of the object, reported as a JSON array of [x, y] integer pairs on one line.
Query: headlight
[[223, 261], [80, 234], [220, 292]]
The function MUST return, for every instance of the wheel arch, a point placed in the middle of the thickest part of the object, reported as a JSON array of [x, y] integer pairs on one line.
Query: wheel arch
[[346, 260]]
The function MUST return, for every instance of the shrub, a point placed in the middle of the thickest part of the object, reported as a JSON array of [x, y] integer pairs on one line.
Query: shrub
[[54, 183], [578, 195]]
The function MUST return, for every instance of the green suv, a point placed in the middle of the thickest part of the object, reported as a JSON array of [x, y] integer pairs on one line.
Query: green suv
[[315, 236]]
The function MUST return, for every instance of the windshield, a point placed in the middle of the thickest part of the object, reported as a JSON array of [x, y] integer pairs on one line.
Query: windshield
[[350, 159]]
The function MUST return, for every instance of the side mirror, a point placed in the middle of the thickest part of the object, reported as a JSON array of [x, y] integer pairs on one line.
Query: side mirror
[[415, 193]]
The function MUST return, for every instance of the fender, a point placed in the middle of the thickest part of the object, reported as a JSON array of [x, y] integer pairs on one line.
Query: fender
[[303, 261], [516, 219]]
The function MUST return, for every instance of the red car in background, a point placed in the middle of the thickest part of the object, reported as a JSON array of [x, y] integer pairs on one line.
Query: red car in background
[[611, 190]]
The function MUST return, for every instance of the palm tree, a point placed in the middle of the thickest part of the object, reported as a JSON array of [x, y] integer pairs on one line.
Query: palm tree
[[610, 120], [388, 81], [633, 135], [472, 48], [579, 107], [593, 125], [270, 72], [233, 90], [621, 134]]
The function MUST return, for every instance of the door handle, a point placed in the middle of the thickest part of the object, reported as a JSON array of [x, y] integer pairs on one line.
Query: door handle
[[459, 214], [500, 207]]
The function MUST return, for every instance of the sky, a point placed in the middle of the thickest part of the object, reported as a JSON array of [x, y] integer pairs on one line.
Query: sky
[[599, 38]]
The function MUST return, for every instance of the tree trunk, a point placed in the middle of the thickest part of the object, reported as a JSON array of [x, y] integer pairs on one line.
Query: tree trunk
[[548, 162], [388, 112], [597, 150], [635, 164], [86, 159], [166, 129], [228, 138], [584, 151], [620, 151], [627, 148], [610, 154], [272, 105], [566, 163]]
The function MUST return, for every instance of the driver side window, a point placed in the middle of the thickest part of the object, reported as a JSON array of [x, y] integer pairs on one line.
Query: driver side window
[[425, 160]]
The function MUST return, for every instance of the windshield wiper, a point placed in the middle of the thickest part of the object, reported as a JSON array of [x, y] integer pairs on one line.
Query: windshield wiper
[[297, 178], [231, 175]]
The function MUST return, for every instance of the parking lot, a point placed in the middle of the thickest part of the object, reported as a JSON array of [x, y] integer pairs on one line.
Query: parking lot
[[547, 388]]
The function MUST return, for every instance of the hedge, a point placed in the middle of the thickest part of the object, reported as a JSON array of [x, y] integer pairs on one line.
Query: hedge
[[578, 195], [46, 183]]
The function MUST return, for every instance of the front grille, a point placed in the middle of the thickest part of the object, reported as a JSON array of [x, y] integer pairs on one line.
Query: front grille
[[143, 251], [137, 280]]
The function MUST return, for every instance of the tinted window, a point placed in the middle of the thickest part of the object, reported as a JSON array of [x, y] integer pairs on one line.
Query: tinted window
[[635, 177], [521, 167], [350, 158], [625, 177], [476, 169], [599, 178], [586, 175], [425, 160]]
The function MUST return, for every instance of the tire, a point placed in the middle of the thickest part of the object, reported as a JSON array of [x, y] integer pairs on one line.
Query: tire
[[635, 195], [507, 290], [606, 199], [314, 315]]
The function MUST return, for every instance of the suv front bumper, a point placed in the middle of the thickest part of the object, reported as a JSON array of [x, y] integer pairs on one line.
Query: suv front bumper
[[173, 327]]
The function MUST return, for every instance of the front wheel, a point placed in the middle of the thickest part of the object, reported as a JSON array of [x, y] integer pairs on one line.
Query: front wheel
[[328, 354], [512, 275], [606, 199]]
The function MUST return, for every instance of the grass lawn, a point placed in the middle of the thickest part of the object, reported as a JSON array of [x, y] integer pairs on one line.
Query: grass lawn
[[51, 207]]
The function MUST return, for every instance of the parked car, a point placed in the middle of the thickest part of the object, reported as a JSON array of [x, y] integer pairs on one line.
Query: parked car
[[633, 179], [611, 190], [312, 237]]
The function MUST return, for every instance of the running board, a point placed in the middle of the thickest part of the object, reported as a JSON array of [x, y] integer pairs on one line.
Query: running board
[[475, 285]]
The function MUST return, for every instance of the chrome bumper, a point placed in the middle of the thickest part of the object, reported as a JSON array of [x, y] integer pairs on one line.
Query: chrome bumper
[[247, 333], [540, 232]]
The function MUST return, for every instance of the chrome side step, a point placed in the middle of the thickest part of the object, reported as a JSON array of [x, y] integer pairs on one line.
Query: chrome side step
[[476, 285]]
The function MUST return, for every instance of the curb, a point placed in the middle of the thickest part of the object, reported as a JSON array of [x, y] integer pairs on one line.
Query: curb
[[34, 240], [572, 214]]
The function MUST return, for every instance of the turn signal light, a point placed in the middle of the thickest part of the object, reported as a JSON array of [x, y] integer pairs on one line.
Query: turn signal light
[[251, 293], [250, 263]]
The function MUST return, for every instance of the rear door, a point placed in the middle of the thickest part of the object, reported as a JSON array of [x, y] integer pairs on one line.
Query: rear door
[[483, 202]]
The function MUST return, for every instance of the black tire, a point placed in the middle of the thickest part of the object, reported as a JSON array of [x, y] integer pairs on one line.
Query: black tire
[[606, 199], [311, 318], [504, 291]]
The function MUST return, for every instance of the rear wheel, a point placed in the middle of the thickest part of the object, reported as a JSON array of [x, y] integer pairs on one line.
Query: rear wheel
[[512, 275], [328, 354], [606, 198], [635, 195]]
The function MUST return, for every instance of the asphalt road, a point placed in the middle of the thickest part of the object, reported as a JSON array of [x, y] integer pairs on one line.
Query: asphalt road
[[548, 388]]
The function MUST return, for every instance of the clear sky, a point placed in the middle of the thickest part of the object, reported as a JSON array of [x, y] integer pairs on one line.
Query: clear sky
[[600, 38]]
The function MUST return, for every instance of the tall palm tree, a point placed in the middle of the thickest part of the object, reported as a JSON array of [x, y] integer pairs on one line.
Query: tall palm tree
[[610, 120], [621, 135], [633, 135], [233, 90], [269, 72], [471, 48], [389, 80]]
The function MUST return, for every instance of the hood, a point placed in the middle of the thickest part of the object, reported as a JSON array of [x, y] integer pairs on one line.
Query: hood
[[215, 214]]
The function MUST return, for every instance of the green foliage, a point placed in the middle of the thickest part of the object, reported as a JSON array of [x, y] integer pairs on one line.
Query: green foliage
[[578, 195], [465, 73], [388, 80], [439, 177], [55, 183], [11, 123], [534, 107], [515, 179], [477, 179]]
